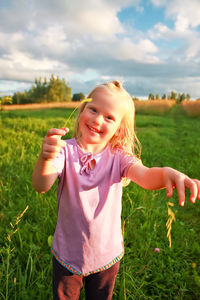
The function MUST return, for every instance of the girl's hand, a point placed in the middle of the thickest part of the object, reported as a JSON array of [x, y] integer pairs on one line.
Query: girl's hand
[[52, 143], [178, 180]]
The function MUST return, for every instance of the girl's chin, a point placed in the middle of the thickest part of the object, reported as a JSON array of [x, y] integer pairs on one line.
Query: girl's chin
[[87, 139]]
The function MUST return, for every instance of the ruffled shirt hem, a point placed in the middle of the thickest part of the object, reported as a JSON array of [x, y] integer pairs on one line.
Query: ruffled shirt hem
[[76, 272]]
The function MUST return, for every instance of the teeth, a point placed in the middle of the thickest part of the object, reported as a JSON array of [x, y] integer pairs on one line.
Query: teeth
[[93, 129]]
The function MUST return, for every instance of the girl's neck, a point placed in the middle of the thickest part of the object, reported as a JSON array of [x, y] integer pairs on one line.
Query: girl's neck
[[93, 148]]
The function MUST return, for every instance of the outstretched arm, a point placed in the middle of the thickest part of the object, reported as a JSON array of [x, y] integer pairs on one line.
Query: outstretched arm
[[44, 173], [159, 178]]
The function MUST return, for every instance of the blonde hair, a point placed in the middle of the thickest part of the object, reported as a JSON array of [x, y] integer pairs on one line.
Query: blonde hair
[[126, 138]]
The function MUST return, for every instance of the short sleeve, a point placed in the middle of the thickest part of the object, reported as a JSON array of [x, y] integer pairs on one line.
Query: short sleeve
[[126, 161], [59, 161]]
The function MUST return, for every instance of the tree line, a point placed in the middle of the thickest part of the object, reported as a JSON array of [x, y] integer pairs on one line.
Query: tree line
[[178, 97], [57, 90], [44, 91], [54, 90]]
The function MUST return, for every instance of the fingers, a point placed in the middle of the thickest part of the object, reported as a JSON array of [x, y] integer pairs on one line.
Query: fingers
[[180, 186], [180, 190], [184, 182], [174, 178], [169, 189], [190, 184], [52, 143], [50, 152], [197, 182], [57, 131], [54, 140]]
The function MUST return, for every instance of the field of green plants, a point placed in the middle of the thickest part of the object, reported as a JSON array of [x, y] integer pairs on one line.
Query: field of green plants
[[28, 219]]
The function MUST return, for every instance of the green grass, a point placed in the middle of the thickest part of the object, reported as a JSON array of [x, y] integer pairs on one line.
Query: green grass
[[174, 273]]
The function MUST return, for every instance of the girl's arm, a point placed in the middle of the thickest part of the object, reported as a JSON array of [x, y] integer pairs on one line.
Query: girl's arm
[[158, 178], [44, 173]]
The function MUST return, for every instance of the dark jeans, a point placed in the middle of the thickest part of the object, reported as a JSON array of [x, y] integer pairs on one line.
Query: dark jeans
[[98, 286]]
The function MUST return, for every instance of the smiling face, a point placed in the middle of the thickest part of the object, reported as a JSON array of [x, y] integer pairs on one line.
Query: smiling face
[[100, 120]]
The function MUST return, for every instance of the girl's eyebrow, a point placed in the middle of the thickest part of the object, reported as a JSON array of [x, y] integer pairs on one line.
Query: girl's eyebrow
[[90, 105]]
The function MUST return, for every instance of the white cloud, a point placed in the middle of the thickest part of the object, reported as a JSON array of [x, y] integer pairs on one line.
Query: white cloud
[[184, 12], [65, 31], [84, 41], [54, 39], [181, 24], [94, 18], [184, 35], [159, 2], [181, 45], [21, 66], [125, 49]]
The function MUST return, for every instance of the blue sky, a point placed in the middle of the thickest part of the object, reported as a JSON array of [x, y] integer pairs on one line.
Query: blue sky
[[151, 46], [144, 16]]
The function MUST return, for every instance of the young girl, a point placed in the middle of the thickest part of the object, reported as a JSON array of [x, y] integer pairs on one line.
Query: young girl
[[88, 244]]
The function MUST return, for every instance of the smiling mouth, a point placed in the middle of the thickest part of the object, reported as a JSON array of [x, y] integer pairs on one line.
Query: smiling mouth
[[93, 129]]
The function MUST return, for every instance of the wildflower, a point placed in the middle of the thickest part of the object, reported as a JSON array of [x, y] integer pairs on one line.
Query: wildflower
[[194, 265], [21, 215], [157, 250], [171, 218]]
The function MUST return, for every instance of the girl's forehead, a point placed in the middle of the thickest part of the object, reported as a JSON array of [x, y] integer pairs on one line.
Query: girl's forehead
[[117, 99]]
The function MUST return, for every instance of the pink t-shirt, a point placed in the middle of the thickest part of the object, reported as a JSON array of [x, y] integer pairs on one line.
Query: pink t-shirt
[[88, 236]]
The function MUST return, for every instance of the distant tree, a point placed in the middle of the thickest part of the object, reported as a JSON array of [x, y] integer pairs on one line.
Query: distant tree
[[78, 97], [56, 90], [157, 97], [164, 96], [188, 96], [173, 95], [5, 100], [151, 96], [21, 98], [180, 98], [39, 91], [16, 98]]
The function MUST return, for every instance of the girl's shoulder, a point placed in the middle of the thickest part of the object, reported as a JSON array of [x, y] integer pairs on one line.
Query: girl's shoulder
[[125, 156], [120, 152]]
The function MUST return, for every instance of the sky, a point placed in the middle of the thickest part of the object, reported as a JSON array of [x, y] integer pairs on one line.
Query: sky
[[152, 46]]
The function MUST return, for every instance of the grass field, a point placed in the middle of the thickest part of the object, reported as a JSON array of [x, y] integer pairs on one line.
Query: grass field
[[170, 139]]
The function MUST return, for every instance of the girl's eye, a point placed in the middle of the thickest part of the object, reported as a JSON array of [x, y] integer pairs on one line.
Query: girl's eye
[[110, 118], [93, 109]]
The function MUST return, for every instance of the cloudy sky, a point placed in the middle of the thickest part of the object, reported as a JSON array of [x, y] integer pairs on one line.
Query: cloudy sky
[[152, 46]]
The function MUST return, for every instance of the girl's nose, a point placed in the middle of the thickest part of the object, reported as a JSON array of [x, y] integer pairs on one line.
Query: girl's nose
[[98, 119]]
